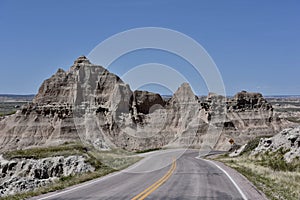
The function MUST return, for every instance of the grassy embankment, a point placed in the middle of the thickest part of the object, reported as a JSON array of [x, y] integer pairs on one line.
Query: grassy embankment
[[105, 162], [268, 172]]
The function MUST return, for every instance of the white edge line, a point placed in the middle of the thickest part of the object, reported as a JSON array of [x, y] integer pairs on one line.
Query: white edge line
[[231, 179], [82, 185], [93, 181], [100, 178], [104, 177]]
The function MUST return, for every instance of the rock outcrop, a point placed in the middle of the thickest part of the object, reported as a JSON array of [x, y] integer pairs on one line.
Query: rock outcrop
[[248, 101], [249, 115], [288, 140], [147, 102], [90, 104], [21, 175]]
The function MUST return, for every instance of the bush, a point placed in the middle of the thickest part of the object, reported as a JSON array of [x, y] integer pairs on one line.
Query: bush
[[276, 161], [252, 144]]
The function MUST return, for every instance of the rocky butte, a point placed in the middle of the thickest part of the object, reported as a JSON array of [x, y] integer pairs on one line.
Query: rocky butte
[[87, 103]]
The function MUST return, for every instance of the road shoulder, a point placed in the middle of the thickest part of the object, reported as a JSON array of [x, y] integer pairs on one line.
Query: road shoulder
[[251, 192]]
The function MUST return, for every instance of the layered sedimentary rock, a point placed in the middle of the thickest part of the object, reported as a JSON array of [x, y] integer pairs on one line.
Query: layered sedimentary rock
[[249, 115], [90, 104], [19, 175], [288, 140]]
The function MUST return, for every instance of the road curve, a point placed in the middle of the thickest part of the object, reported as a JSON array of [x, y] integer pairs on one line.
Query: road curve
[[170, 174]]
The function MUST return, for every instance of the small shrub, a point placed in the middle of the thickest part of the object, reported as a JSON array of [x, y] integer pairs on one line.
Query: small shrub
[[252, 144], [276, 161]]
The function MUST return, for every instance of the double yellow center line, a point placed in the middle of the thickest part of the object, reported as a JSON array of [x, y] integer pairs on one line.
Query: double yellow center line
[[156, 185]]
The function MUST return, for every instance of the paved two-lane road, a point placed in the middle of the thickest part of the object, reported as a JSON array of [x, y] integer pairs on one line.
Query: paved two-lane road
[[159, 177]]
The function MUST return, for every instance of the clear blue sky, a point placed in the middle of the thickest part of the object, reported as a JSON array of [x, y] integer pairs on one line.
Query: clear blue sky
[[255, 43]]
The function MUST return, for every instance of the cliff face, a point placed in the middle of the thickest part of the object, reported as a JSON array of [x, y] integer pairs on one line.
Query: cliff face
[[19, 175], [90, 104], [249, 115], [288, 140]]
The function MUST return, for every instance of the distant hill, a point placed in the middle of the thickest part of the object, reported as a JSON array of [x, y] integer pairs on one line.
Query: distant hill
[[283, 96], [15, 97]]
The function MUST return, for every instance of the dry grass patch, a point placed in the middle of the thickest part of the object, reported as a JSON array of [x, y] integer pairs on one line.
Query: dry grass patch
[[275, 183]]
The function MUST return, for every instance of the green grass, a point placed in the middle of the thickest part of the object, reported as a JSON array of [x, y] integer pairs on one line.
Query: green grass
[[115, 158], [268, 185], [269, 173], [67, 149], [105, 162], [275, 161]]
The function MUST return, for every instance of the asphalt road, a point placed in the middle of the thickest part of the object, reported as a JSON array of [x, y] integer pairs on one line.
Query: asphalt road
[[173, 174]]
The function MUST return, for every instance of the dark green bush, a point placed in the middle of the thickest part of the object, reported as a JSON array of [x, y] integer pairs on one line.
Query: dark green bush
[[252, 144]]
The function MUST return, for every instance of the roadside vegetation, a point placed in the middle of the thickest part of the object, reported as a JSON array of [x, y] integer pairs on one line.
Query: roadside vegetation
[[268, 171], [104, 162], [66, 149]]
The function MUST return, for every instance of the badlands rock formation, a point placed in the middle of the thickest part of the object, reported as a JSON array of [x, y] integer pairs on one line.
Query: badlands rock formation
[[20, 175], [288, 139], [250, 115], [90, 104]]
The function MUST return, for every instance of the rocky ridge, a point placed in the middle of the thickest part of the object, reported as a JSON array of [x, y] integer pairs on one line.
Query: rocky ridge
[[288, 140], [21, 175], [90, 104]]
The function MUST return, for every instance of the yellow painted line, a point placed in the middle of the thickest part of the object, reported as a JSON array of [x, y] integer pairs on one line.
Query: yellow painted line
[[157, 184]]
